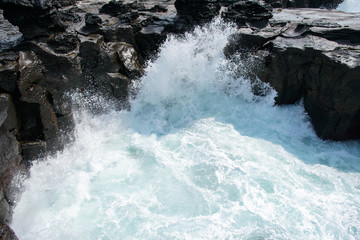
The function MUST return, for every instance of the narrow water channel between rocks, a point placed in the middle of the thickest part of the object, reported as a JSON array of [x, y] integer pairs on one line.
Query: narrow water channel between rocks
[[198, 156]]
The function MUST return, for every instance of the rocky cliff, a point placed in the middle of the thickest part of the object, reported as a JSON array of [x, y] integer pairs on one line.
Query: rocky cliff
[[314, 57], [51, 47]]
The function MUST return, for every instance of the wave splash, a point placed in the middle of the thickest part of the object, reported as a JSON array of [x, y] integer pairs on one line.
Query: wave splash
[[198, 156], [352, 6]]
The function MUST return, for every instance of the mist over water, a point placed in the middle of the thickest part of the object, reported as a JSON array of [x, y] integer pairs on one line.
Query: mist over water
[[198, 156]]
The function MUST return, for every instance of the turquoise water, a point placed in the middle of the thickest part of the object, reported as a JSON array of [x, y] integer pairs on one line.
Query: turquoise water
[[197, 157]]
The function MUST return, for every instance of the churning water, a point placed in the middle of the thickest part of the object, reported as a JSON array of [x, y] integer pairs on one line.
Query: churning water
[[350, 6], [197, 157]]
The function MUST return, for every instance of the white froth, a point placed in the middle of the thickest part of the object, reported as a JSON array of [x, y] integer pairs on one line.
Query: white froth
[[350, 6], [197, 157]]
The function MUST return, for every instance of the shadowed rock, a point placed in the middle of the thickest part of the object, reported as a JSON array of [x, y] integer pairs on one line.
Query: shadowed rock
[[248, 12], [9, 34], [6, 233], [304, 3], [8, 72], [198, 9]]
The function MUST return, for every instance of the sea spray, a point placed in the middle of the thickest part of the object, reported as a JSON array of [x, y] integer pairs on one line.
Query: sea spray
[[198, 156], [350, 6]]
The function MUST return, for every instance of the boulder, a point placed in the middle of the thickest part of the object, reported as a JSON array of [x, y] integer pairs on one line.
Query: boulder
[[33, 85], [61, 68], [10, 122], [248, 12], [10, 35], [43, 4], [63, 42], [32, 151], [9, 147], [149, 39], [119, 87], [11, 182], [120, 57], [158, 8], [6, 233], [305, 3], [5, 209], [10, 159], [34, 22], [115, 8], [103, 62], [115, 31], [8, 71], [92, 24], [198, 10]]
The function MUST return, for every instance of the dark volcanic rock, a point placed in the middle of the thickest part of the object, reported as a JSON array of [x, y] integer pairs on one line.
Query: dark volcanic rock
[[304, 3], [158, 8], [6, 233], [10, 159], [117, 8], [31, 151], [43, 4], [149, 39], [92, 23], [254, 13], [315, 56], [33, 22], [63, 42], [198, 9], [9, 34], [102, 62], [8, 72], [33, 88], [121, 57], [9, 147]]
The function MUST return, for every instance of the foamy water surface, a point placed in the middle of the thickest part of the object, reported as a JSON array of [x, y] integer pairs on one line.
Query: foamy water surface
[[197, 157]]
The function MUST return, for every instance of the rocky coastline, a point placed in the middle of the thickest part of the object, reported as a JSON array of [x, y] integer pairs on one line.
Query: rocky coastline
[[51, 47]]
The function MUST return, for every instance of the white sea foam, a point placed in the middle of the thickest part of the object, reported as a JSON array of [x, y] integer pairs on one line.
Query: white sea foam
[[350, 6], [197, 157]]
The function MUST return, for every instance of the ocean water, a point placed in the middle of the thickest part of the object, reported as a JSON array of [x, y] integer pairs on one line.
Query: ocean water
[[198, 156], [350, 6]]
